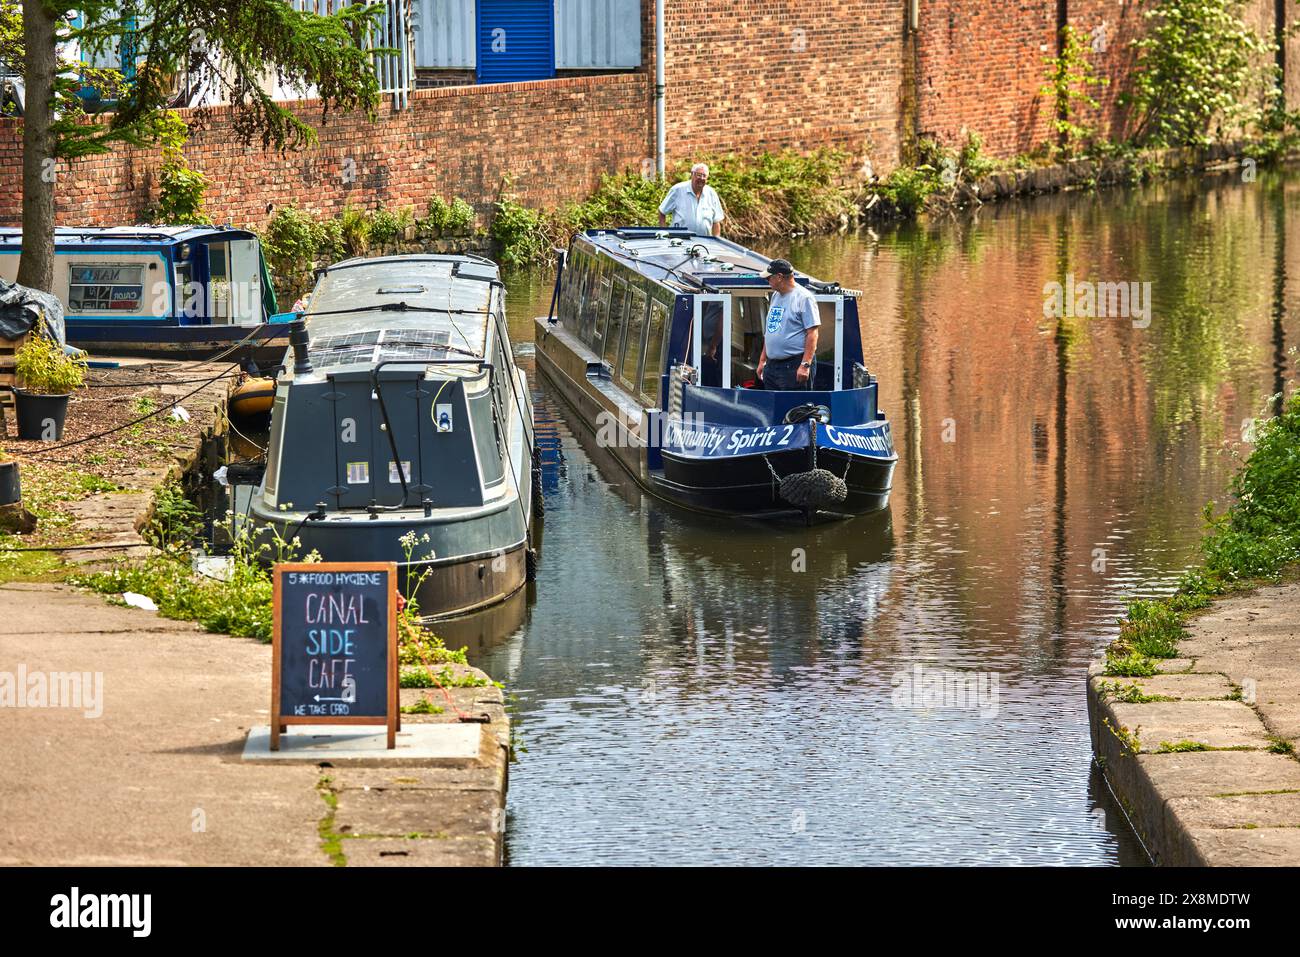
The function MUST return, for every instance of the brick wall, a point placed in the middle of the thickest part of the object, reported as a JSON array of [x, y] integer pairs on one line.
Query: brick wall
[[763, 74], [554, 137]]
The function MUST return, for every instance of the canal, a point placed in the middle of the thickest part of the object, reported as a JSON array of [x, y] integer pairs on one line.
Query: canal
[[694, 691]]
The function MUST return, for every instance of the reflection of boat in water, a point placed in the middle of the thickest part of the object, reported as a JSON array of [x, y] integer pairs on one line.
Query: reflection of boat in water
[[655, 345], [403, 431], [720, 575]]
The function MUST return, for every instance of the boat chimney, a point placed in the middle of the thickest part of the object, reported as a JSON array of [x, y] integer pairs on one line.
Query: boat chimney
[[300, 340]]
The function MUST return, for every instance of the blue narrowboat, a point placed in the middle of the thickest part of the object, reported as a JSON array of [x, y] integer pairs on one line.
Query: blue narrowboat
[[654, 338], [190, 290]]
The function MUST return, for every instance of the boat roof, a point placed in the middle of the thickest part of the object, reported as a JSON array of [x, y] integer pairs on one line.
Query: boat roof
[[687, 262], [422, 308], [130, 235]]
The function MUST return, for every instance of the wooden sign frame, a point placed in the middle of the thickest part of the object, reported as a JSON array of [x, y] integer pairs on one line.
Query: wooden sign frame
[[393, 719]]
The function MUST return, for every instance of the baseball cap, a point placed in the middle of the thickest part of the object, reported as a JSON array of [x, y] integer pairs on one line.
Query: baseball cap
[[778, 267]]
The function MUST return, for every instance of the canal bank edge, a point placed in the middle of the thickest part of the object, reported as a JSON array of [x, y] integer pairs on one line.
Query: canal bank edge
[[1203, 760]]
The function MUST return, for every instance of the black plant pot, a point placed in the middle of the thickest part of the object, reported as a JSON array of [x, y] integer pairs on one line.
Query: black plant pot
[[40, 417], [11, 488]]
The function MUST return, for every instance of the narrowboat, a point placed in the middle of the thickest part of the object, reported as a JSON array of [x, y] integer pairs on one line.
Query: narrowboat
[[654, 338], [402, 431], [182, 290]]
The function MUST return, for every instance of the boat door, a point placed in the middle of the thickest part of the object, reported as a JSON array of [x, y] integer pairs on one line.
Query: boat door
[[837, 304], [218, 285], [699, 321], [245, 299]]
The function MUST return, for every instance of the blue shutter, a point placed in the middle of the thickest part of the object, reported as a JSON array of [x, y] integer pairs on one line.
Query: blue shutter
[[516, 40]]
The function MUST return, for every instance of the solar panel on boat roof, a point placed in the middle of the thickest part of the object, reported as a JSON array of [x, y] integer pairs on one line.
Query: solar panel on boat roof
[[416, 337], [348, 355], [368, 338]]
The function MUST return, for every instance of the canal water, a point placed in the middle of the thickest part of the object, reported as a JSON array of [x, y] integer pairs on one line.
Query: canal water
[[697, 691]]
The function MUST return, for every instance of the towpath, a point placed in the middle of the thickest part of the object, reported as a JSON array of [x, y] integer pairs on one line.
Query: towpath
[[1214, 779]]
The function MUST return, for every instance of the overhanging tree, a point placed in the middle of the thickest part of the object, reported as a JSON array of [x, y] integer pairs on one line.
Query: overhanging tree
[[233, 44]]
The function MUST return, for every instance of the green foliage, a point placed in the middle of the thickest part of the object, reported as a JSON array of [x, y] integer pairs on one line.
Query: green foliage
[[180, 199], [354, 225], [171, 38], [387, 227], [1200, 71], [908, 187], [1131, 693], [241, 604], [290, 242], [1125, 663], [770, 194], [1181, 746], [1070, 79], [44, 368], [971, 160], [176, 520], [460, 217]]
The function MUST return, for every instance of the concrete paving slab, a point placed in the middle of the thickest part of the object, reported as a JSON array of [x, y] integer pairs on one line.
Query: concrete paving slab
[[337, 744], [1256, 810], [398, 813], [1206, 773], [420, 852], [1216, 724], [1247, 847], [1184, 687]]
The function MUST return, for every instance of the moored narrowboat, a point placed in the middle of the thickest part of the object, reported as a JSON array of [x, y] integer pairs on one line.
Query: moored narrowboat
[[181, 290], [655, 338], [402, 431]]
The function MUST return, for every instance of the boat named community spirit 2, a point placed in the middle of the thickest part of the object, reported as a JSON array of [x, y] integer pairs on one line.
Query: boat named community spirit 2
[[655, 338]]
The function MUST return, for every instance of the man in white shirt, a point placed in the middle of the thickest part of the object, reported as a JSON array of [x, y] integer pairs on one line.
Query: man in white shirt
[[694, 205]]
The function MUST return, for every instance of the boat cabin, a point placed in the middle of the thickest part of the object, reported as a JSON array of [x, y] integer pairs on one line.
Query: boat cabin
[[645, 300]]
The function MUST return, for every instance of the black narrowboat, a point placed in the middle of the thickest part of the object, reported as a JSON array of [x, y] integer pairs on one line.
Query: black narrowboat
[[654, 338]]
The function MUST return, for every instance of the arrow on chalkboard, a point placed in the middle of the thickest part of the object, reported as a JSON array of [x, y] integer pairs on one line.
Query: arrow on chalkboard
[[319, 698]]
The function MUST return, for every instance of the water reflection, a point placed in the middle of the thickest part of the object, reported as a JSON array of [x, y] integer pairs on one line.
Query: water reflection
[[696, 690]]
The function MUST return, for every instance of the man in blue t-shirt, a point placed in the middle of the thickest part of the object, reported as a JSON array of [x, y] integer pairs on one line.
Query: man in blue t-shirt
[[790, 332]]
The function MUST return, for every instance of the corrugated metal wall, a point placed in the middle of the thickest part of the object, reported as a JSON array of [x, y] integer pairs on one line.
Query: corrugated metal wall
[[444, 33], [597, 34], [589, 34], [516, 40]]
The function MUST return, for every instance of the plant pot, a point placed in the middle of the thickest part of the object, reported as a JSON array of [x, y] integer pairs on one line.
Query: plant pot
[[40, 417], [11, 488]]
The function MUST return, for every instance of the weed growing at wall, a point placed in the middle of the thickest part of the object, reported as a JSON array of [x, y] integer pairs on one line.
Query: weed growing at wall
[[1070, 81], [1202, 74], [181, 189]]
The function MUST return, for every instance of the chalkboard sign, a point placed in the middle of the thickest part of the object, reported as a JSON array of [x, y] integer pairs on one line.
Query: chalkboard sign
[[334, 657]]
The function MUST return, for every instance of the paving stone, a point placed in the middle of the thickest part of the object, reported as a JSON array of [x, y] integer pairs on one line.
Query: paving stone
[[1254, 847], [1260, 810], [1217, 724], [421, 852]]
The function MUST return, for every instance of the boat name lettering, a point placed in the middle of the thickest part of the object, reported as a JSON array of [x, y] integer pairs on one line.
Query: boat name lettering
[[873, 442]]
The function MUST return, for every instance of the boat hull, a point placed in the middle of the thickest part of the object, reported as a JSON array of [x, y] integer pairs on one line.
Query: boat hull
[[264, 343]]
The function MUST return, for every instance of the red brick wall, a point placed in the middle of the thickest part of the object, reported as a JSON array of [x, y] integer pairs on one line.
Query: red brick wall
[[764, 74], [981, 67], [555, 137]]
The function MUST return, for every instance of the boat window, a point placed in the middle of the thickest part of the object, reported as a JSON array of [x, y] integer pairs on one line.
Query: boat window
[[656, 341], [485, 437], [747, 313], [632, 348], [105, 288], [595, 335], [614, 328], [574, 275]]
